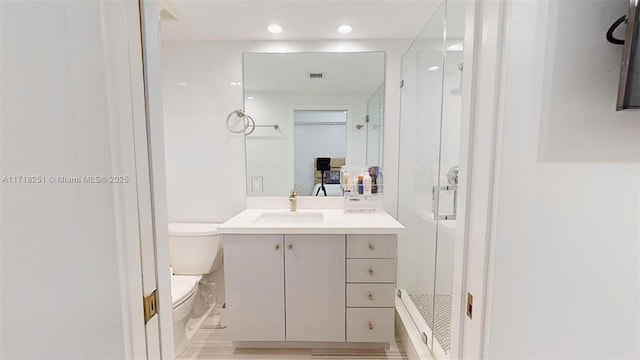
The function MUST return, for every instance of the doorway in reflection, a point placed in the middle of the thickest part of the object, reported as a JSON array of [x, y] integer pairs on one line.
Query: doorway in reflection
[[318, 133]]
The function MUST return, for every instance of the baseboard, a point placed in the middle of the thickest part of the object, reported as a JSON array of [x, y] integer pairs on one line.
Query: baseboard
[[308, 345]]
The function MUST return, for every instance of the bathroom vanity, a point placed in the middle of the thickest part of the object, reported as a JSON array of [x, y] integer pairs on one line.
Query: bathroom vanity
[[313, 278]]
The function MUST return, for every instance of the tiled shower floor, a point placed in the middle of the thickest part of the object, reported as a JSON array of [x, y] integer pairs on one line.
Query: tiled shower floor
[[442, 319]]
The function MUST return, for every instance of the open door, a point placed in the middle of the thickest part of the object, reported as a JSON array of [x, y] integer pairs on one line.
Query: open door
[[155, 340], [154, 244]]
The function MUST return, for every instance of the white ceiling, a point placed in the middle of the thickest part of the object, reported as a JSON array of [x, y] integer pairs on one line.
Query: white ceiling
[[300, 19], [343, 72]]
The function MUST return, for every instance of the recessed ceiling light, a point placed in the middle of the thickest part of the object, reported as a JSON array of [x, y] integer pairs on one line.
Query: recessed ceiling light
[[433, 68], [455, 47], [182, 83], [344, 29], [274, 28], [235, 83], [250, 98]]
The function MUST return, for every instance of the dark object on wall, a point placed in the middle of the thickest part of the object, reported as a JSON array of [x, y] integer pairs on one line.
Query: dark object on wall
[[322, 165], [612, 39], [629, 86]]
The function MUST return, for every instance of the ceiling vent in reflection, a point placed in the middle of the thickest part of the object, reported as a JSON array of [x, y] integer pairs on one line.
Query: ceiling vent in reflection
[[316, 75]]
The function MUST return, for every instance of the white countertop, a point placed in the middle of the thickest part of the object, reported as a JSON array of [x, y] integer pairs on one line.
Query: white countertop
[[335, 221]]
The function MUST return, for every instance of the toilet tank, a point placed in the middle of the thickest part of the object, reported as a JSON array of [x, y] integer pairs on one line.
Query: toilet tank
[[194, 248]]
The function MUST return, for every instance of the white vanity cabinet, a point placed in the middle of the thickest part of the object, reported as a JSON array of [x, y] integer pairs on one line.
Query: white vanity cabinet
[[315, 278], [257, 267], [315, 292], [254, 286]]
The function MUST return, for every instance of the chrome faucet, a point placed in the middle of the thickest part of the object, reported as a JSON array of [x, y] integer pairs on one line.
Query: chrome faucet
[[293, 200]]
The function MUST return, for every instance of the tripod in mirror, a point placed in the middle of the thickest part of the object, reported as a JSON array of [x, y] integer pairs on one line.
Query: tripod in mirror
[[322, 164]]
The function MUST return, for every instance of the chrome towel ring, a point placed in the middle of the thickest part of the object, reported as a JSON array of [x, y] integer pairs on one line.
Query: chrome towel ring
[[249, 123]]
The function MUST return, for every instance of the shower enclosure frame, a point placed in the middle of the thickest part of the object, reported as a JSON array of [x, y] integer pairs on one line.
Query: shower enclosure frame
[[483, 50]]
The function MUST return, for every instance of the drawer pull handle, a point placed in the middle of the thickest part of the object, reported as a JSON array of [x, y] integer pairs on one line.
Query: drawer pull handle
[[370, 326], [371, 272], [370, 297], [290, 246], [278, 247], [370, 247]]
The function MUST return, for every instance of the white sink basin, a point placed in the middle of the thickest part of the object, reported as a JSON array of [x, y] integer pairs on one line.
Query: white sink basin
[[291, 218]]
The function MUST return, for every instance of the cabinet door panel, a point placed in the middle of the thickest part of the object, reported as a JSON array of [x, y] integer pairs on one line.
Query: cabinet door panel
[[254, 285], [315, 291]]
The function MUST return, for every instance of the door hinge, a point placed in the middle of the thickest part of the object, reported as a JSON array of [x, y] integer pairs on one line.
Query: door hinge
[[470, 305], [150, 305], [401, 84]]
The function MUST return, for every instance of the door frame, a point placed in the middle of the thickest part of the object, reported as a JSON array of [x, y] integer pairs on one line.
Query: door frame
[[485, 48]]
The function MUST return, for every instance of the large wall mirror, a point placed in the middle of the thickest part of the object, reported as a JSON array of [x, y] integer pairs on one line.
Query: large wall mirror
[[311, 105]]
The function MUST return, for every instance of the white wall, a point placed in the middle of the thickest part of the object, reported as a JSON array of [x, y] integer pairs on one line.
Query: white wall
[[269, 150], [67, 111], [205, 162], [565, 277]]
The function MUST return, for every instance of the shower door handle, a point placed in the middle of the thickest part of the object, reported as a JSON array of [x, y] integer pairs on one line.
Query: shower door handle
[[435, 204]]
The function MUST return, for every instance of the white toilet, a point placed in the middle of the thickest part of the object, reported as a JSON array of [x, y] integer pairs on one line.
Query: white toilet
[[195, 251]]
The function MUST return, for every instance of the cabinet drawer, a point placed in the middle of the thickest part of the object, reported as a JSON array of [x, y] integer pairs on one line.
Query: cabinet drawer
[[370, 324], [371, 270], [371, 246], [370, 295]]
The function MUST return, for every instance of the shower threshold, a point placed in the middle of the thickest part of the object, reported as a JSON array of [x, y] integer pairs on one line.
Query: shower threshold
[[420, 308]]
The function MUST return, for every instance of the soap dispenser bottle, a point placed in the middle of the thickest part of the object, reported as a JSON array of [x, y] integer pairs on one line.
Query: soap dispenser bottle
[[367, 183], [346, 182]]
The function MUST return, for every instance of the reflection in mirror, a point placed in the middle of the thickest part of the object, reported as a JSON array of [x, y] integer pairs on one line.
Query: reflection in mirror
[[375, 110], [325, 105]]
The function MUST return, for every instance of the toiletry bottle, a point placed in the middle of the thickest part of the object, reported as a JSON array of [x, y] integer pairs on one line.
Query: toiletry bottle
[[367, 183], [346, 182], [361, 183], [373, 172]]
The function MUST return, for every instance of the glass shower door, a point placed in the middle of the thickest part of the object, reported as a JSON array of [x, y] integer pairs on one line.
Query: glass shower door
[[429, 142], [449, 160], [421, 108]]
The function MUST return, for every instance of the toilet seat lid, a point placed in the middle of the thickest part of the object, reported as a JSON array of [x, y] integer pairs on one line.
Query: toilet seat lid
[[182, 287], [193, 229]]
